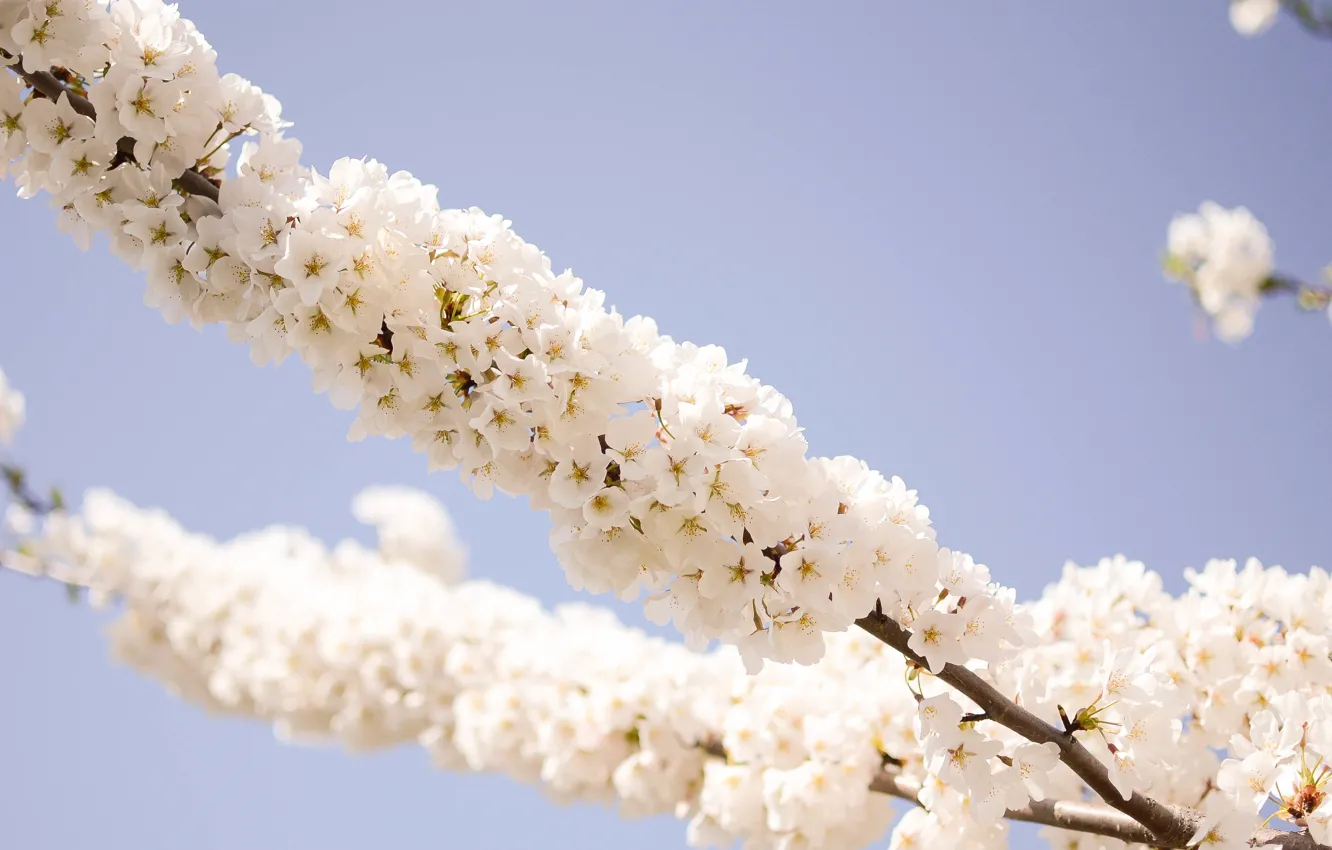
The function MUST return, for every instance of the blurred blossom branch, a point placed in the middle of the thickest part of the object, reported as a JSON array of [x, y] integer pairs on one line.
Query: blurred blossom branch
[[1225, 255], [25, 503], [16, 481], [1308, 296], [1254, 17], [1315, 17], [26, 506]]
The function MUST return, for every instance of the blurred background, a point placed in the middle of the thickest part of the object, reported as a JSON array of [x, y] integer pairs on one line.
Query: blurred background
[[936, 227]]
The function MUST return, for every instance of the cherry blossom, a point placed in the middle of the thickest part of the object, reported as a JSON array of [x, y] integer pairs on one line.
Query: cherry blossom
[[11, 411], [662, 464], [1224, 256]]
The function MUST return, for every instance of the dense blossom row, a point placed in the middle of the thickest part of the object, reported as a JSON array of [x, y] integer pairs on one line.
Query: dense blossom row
[[381, 647], [11, 411], [377, 648], [665, 468]]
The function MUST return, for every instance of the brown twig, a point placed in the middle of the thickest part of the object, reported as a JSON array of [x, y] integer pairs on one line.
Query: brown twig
[[1315, 22], [1073, 815], [1077, 816], [1155, 824], [16, 481]]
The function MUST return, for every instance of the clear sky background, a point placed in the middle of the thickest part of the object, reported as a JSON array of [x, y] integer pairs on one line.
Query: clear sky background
[[935, 226]]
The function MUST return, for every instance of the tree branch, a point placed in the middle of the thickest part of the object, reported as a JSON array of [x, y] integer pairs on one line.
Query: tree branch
[[16, 481], [1076, 816], [46, 83], [1309, 296], [1148, 821], [1092, 818], [1089, 818], [1314, 22]]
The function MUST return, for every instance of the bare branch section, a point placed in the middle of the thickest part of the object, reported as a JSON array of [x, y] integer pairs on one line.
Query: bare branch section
[[47, 84], [16, 481], [1092, 818], [1138, 820], [1311, 297], [1314, 17]]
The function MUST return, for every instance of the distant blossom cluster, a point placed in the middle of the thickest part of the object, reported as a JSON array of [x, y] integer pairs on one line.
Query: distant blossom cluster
[[665, 468], [11, 411], [1224, 256], [376, 648], [1253, 17]]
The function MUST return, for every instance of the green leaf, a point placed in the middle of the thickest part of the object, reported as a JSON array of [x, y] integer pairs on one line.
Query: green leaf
[[1175, 267]]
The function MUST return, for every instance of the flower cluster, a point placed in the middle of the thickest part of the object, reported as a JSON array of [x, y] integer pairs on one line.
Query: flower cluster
[[666, 469], [1104, 673], [380, 647], [1239, 665], [375, 648], [1256, 646], [11, 411], [1225, 257], [1103, 670]]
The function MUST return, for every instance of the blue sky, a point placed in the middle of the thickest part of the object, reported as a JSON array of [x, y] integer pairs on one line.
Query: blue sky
[[936, 227]]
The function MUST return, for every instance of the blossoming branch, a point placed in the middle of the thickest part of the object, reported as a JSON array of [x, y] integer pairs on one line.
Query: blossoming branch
[[665, 468]]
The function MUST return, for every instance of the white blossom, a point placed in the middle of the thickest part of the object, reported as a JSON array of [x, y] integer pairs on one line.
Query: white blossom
[[11, 411], [1253, 17], [1224, 256], [657, 460]]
